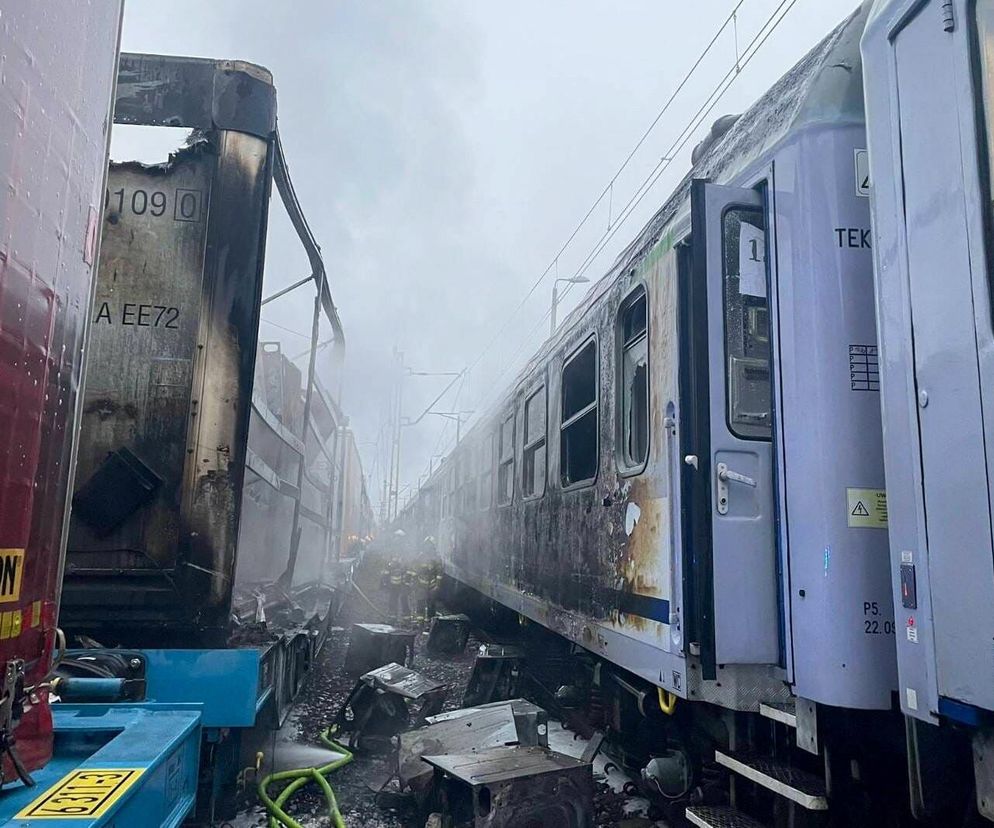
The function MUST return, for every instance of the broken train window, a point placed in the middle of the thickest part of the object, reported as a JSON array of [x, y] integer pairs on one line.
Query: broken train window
[[505, 471], [578, 433], [533, 454], [634, 379]]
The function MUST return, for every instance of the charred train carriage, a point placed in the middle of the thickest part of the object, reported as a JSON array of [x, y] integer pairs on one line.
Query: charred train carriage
[[180, 417], [217, 492], [688, 481]]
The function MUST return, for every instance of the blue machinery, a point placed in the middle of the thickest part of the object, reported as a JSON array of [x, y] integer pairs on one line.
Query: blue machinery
[[131, 764]]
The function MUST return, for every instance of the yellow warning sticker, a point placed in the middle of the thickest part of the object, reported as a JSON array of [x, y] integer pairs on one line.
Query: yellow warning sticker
[[83, 793], [11, 570], [867, 508]]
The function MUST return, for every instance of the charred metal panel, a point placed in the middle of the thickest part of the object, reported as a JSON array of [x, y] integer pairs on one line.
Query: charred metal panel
[[277, 446], [274, 438], [174, 342], [158, 90], [145, 322]]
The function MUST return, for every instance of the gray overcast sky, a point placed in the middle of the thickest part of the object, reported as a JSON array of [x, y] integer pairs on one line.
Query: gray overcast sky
[[443, 151]]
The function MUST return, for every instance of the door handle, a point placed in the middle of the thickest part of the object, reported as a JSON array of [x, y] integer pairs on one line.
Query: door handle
[[724, 476]]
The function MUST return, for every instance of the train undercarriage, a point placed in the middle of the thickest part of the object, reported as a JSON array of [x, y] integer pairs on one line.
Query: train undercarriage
[[705, 765]]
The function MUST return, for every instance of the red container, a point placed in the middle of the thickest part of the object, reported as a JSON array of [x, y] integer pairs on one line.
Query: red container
[[56, 97]]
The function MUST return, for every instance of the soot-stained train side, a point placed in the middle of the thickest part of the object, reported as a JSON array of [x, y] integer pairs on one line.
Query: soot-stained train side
[[687, 479]]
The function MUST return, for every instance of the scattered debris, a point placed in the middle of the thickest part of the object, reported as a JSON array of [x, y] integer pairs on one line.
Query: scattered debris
[[503, 787], [593, 747], [448, 634], [495, 674], [373, 645], [368, 791], [376, 710], [467, 731]]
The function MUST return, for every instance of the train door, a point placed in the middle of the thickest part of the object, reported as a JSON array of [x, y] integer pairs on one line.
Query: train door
[[731, 459]]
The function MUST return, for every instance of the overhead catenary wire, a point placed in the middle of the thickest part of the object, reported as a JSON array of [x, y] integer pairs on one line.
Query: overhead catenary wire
[[741, 61], [612, 225], [609, 187], [287, 330]]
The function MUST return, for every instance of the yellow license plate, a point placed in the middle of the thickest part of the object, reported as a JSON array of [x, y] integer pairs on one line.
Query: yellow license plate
[[83, 793]]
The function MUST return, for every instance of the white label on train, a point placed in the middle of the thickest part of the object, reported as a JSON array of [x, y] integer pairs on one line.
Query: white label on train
[[752, 260]]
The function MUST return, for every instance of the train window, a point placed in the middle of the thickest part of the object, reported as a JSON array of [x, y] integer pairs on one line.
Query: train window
[[634, 380], [578, 432], [486, 471], [457, 478], [453, 484], [747, 337], [505, 470], [469, 483], [533, 454]]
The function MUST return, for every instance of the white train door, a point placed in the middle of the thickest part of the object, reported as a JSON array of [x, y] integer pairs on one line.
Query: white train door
[[734, 452]]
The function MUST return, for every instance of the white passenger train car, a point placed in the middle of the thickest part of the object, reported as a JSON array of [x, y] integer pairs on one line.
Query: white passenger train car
[[687, 479]]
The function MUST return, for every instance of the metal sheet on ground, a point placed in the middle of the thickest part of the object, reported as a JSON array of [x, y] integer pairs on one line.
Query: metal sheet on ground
[[477, 730], [395, 678]]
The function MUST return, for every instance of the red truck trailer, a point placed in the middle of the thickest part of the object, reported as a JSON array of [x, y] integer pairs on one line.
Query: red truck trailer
[[54, 130]]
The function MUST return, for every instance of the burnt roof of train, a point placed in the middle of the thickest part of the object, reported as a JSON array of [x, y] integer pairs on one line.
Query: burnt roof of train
[[824, 87]]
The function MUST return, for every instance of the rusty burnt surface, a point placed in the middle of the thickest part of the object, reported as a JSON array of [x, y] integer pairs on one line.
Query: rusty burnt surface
[[169, 377], [572, 548]]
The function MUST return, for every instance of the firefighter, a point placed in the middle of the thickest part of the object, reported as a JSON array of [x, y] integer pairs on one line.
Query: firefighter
[[396, 579], [429, 579]]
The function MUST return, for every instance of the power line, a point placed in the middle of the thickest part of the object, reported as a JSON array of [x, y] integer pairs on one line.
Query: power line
[[609, 187], [782, 10], [741, 61], [288, 330]]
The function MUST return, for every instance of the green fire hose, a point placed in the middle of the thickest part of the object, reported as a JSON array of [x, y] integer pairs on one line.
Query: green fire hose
[[299, 778]]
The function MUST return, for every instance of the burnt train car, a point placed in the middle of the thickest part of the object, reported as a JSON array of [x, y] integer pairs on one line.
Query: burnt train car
[[356, 524], [192, 435], [183, 427], [687, 481], [330, 499], [170, 365], [210, 631], [53, 150]]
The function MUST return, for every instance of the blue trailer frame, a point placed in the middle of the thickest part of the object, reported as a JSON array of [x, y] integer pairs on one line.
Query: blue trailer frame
[[138, 763]]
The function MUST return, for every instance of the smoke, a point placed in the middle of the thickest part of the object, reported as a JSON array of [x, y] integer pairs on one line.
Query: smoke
[[443, 151]]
